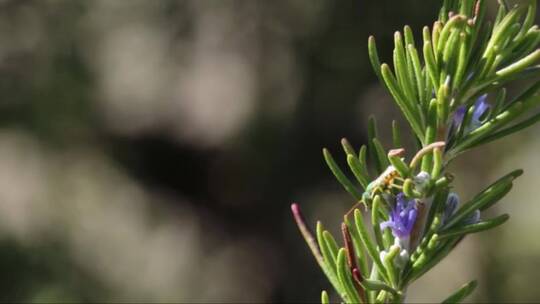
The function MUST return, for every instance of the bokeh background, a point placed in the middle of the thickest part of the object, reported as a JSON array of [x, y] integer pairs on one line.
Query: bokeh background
[[150, 150]]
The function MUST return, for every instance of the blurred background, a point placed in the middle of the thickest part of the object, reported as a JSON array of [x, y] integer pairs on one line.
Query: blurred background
[[150, 150]]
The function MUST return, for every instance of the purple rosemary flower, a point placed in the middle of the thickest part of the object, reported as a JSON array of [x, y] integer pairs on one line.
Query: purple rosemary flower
[[450, 207], [481, 107], [459, 115], [402, 217], [473, 218]]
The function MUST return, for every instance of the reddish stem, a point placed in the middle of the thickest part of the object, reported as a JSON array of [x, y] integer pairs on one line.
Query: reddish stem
[[351, 259]]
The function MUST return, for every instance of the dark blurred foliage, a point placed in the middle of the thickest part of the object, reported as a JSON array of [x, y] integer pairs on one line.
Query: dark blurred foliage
[[245, 183]]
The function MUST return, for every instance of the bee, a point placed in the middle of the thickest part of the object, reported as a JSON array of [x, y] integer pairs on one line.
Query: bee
[[390, 178], [385, 181], [381, 184]]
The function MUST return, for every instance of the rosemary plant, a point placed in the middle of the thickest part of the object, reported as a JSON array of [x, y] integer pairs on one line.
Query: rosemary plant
[[452, 93]]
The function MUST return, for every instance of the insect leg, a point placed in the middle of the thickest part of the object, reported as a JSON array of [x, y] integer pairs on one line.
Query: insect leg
[[355, 206]]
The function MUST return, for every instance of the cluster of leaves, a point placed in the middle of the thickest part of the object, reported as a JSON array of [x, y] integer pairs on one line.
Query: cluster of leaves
[[465, 59]]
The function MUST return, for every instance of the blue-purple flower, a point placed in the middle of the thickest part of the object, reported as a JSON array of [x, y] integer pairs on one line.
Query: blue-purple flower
[[402, 217], [459, 115], [473, 218], [481, 107], [450, 208]]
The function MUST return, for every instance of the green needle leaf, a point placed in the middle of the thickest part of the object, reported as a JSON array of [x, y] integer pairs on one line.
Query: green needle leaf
[[493, 124], [437, 163], [505, 132], [396, 134], [375, 221], [466, 7], [345, 277], [499, 101], [400, 165], [377, 286], [372, 134], [435, 212], [463, 56], [342, 179], [381, 158], [408, 34], [401, 68], [525, 46], [450, 50], [431, 64], [461, 294], [329, 255], [473, 228], [432, 126], [453, 24], [389, 264], [359, 170], [368, 243], [530, 98], [529, 19], [417, 67], [501, 31], [396, 92], [347, 147], [484, 199], [331, 244], [428, 263], [324, 297], [374, 57], [520, 65], [362, 156], [445, 9], [436, 33], [487, 199]]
